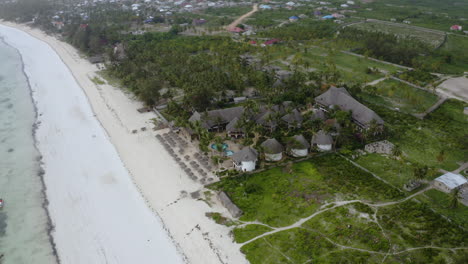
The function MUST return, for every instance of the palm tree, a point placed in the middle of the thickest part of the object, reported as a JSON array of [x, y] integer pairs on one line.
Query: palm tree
[[420, 172], [396, 152], [454, 198]]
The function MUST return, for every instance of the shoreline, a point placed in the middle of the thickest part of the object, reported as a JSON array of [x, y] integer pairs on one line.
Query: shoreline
[[40, 172], [160, 188]]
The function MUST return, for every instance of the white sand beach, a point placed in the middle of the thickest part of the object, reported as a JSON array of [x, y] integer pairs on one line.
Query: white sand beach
[[114, 196]]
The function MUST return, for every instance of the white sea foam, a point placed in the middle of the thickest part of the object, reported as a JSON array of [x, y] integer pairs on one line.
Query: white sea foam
[[99, 215]]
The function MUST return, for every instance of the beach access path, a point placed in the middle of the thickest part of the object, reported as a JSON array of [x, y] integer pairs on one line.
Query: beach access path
[[162, 185]]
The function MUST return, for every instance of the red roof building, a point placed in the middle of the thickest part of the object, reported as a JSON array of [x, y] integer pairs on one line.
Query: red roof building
[[456, 27], [271, 41], [236, 30]]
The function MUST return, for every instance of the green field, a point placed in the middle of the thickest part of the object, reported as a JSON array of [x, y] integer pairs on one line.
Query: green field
[[277, 198], [432, 38], [396, 172], [352, 69], [442, 132], [360, 234], [394, 94], [440, 202]]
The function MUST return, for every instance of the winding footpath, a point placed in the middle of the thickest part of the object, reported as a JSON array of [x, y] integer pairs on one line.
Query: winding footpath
[[324, 208]]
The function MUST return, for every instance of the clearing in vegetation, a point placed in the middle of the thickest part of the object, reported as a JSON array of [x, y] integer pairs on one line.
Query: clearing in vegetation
[[433, 38], [397, 95]]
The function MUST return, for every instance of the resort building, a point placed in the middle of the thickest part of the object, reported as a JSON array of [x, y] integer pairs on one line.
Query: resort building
[[245, 159], [234, 130], [273, 150], [298, 146], [449, 182], [293, 119], [322, 140], [339, 97]]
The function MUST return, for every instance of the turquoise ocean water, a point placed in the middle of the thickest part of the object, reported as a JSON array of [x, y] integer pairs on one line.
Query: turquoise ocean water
[[23, 220]]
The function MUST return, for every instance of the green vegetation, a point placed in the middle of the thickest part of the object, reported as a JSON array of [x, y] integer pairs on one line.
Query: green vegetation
[[97, 80], [422, 141], [248, 232], [418, 77], [394, 94], [278, 198], [396, 172], [432, 38], [440, 202], [370, 235], [427, 13]]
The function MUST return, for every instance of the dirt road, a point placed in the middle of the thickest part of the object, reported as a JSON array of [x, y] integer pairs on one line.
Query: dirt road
[[241, 18]]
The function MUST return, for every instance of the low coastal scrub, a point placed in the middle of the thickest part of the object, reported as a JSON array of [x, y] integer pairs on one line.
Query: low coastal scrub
[[248, 232], [280, 198], [440, 140]]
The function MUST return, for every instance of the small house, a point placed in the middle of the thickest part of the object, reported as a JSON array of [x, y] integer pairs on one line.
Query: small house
[[456, 27], [449, 182], [273, 149], [270, 42], [245, 159], [322, 140], [293, 18], [236, 30], [298, 146], [293, 119], [406, 21]]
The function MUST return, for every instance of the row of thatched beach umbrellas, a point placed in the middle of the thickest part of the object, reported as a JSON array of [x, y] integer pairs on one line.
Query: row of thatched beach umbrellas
[[172, 139]]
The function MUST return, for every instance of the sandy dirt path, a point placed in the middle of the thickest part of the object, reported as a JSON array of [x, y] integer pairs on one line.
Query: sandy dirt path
[[241, 18]]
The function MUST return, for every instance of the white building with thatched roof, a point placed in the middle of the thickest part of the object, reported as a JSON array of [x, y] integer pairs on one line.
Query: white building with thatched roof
[[298, 146], [322, 140], [245, 159], [449, 182], [273, 150]]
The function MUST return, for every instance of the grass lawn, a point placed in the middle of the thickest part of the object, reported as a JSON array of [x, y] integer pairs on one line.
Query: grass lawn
[[352, 68], [394, 94], [280, 198], [401, 30], [442, 132], [440, 202]]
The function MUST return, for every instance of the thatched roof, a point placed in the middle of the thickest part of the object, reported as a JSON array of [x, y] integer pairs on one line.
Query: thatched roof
[[322, 138], [233, 126], [298, 142], [318, 114], [293, 117], [230, 206], [272, 146], [341, 98], [246, 154], [215, 117]]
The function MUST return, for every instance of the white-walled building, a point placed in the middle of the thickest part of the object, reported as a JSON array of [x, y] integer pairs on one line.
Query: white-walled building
[[245, 159], [273, 150], [322, 140], [298, 146], [449, 182]]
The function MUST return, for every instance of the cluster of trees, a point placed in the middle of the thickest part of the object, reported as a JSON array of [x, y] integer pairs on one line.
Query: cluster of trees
[[202, 67], [384, 46]]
